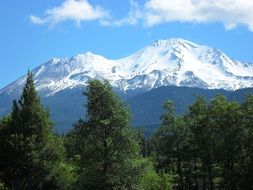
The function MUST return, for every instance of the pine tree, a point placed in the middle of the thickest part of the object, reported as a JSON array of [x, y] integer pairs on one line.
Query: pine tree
[[225, 119], [208, 148], [108, 150], [164, 138], [246, 166], [30, 153], [3, 125], [173, 150], [202, 138]]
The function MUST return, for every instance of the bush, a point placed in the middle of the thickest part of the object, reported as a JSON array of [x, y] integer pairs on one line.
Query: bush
[[2, 186]]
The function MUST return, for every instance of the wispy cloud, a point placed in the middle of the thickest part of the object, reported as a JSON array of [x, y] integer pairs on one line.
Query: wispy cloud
[[75, 10], [133, 17], [231, 13]]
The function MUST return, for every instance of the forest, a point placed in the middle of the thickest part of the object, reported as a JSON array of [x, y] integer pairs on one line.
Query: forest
[[210, 147]]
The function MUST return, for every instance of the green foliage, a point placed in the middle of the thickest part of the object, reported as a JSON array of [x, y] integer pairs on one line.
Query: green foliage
[[246, 164], [151, 180], [2, 186], [202, 141], [209, 147], [30, 153], [173, 150], [64, 174], [225, 118], [155, 181], [104, 147]]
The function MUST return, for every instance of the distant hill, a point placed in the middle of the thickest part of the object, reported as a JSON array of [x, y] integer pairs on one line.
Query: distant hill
[[68, 106]]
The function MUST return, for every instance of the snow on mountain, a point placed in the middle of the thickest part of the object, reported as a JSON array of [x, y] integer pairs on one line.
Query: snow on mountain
[[163, 63]]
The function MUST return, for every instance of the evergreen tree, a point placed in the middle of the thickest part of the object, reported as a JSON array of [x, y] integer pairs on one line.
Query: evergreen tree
[[173, 150], [3, 125], [246, 166], [109, 154], [30, 153], [202, 140], [225, 119], [165, 138], [208, 148]]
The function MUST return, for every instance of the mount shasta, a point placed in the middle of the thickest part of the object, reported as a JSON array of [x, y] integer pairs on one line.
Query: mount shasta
[[174, 64]]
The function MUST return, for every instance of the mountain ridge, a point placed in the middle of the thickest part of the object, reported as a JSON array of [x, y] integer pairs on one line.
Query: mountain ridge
[[171, 62]]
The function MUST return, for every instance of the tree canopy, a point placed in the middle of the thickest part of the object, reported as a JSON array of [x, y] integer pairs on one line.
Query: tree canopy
[[30, 152], [207, 148]]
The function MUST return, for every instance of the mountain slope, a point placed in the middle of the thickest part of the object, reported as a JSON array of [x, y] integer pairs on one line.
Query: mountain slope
[[147, 108], [179, 67], [67, 106], [174, 62]]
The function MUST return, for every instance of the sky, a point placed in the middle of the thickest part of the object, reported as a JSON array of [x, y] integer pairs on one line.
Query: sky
[[33, 32]]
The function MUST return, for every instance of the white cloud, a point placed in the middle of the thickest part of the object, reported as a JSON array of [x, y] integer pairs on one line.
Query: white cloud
[[37, 20], [231, 13], [132, 18], [75, 10]]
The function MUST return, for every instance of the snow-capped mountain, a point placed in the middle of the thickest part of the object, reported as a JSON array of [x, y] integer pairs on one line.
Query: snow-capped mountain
[[173, 62]]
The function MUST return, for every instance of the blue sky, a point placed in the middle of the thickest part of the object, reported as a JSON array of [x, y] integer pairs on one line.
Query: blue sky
[[33, 32]]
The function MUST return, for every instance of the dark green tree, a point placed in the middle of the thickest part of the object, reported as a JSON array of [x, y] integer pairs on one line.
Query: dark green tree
[[30, 152], [225, 119], [202, 141], [164, 138], [210, 147], [246, 166], [3, 125], [107, 151], [173, 150]]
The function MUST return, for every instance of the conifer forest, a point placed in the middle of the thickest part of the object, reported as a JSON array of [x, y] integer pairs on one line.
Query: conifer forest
[[210, 147]]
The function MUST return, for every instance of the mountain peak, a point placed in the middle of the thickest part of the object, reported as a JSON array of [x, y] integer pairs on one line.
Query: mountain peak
[[87, 53], [54, 60], [174, 42], [167, 62]]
